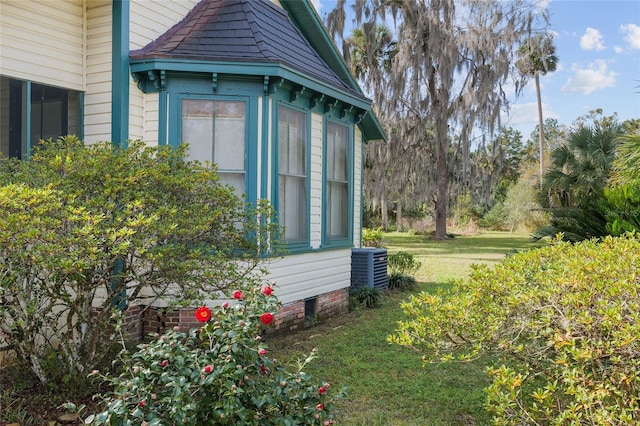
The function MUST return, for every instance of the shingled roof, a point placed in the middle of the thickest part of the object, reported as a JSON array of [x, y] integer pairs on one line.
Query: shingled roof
[[241, 31]]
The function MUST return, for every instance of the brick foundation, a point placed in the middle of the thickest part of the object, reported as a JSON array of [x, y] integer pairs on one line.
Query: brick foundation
[[144, 320]]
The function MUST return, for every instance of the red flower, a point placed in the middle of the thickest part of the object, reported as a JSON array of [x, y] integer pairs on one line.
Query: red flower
[[267, 290], [164, 363], [266, 318], [237, 295], [262, 352], [263, 369], [203, 314], [319, 407], [225, 305], [207, 369], [322, 390], [142, 403]]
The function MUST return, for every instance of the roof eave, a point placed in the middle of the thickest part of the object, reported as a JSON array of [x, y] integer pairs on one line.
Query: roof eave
[[307, 20]]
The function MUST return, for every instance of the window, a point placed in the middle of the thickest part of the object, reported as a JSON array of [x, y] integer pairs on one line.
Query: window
[[292, 174], [31, 111], [216, 132], [337, 182]]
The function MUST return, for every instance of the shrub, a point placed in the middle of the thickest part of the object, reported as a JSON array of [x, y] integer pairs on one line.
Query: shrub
[[372, 237], [402, 263], [88, 231], [401, 282], [565, 319], [218, 374], [368, 297]]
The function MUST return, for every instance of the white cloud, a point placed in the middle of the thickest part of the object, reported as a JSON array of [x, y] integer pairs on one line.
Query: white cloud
[[586, 80], [591, 40], [526, 113], [632, 36], [618, 49]]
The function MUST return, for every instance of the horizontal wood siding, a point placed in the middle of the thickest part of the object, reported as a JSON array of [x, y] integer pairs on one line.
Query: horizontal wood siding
[[316, 180], [43, 41], [307, 275], [150, 19], [97, 118]]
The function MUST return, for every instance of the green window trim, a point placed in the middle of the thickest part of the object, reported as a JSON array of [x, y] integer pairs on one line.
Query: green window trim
[[344, 238], [180, 88], [302, 244]]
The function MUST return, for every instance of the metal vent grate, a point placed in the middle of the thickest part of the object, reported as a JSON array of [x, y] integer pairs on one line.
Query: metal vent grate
[[369, 268]]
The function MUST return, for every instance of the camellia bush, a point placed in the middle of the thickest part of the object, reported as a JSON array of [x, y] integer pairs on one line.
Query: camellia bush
[[88, 231], [220, 373], [564, 319]]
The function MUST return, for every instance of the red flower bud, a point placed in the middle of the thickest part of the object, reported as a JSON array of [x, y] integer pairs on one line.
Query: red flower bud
[[237, 295], [207, 369], [164, 363], [225, 305], [322, 390], [319, 407], [266, 318], [142, 403], [262, 352], [267, 290]]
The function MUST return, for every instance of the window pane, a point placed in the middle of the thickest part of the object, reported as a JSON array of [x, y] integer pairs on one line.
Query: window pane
[[292, 169], [215, 131], [197, 129], [337, 210], [55, 112], [337, 182]]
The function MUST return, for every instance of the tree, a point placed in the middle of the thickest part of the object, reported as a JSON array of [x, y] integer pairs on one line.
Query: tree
[[577, 178], [538, 56], [88, 232], [453, 59]]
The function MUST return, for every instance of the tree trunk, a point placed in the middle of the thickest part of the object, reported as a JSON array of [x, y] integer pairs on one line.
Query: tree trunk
[[540, 129], [384, 212], [399, 217], [442, 185]]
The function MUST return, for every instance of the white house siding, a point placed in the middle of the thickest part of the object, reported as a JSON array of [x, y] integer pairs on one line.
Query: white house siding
[[97, 99], [52, 34], [302, 276], [149, 19], [357, 185], [315, 218]]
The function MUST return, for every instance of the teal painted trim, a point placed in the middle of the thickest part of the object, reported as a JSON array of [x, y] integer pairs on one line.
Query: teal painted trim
[[266, 117], [163, 104], [251, 150], [302, 246], [81, 100], [120, 74], [348, 240], [250, 69], [26, 118]]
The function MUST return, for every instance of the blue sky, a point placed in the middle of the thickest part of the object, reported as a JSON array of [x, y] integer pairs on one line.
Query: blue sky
[[598, 46]]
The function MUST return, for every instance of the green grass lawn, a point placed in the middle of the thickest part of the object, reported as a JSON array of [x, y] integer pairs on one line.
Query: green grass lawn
[[388, 384]]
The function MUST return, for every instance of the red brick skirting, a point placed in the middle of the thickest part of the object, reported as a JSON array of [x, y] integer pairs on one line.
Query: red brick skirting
[[143, 320]]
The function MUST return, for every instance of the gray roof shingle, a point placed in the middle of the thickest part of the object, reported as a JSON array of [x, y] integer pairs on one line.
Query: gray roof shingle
[[241, 31]]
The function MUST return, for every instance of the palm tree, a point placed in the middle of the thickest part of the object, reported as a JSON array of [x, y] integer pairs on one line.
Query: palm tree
[[538, 56]]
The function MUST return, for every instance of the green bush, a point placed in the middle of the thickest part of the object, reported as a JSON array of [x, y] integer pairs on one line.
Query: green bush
[[402, 263], [367, 297], [218, 374], [565, 320], [88, 231], [401, 282], [372, 237]]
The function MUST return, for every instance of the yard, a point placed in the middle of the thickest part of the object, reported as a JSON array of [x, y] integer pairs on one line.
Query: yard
[[387, 384]]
